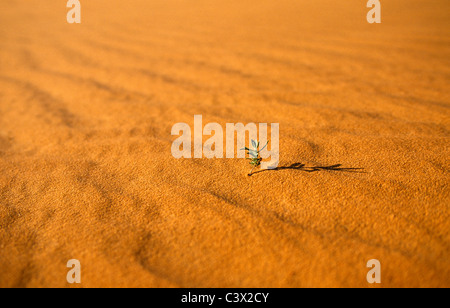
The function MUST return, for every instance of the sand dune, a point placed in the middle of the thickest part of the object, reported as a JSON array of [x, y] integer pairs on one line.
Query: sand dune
[[86, 170]]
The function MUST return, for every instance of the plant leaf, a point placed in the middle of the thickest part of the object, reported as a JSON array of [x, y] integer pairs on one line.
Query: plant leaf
[[264, 146], [253, 154]]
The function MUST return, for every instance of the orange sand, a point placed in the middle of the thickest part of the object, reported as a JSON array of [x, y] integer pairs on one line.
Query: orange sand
[[85, 165]]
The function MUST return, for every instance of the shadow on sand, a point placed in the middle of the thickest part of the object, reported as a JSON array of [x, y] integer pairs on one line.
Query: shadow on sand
[[303, 167]]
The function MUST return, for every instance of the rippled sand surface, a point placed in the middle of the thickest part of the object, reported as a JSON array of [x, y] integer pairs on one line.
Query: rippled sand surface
[[86, 170]]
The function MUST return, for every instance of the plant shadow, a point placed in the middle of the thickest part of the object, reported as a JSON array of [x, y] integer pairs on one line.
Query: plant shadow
[[303, 167]]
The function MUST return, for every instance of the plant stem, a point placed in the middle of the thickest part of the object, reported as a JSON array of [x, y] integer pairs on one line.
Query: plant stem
[[251, 171]]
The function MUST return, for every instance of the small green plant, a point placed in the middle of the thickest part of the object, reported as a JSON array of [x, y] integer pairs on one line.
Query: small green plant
[[255, 158]]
